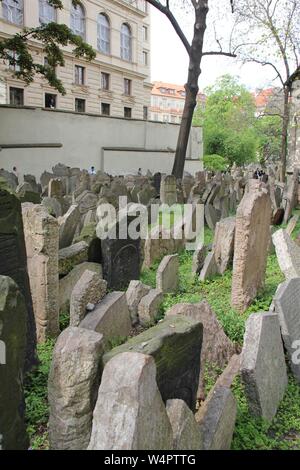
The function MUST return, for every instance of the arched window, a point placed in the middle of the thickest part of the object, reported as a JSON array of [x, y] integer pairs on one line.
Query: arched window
[[13, 11], [103, 38], [78, 20], [126, 42], [47, 12]]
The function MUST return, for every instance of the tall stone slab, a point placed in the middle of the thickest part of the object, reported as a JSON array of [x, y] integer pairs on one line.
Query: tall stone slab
[[223, 244], [175, 344], [68, 224], [286, 302], [41, 239], [13, 262], [72, 388], [13, 319], [130, 413], [167, 276], [288, 254], [252, 236], [263, 368]]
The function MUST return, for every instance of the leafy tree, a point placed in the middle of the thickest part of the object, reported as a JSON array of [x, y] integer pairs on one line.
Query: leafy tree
[[200, 9], [52, 36], [215, 163], [229, 121], [269, 131], [271, 29]]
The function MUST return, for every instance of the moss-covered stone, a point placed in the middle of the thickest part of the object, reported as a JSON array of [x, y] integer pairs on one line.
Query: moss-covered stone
[[175, 344], [71, 256]]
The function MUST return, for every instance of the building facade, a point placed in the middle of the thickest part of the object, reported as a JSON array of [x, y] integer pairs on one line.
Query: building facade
[[167, 102], [115, 83]]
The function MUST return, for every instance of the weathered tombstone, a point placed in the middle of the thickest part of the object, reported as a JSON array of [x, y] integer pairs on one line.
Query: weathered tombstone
[[187, 434], [41, 239], [13, 262], [136, 420], [10, 179], [199, 259], [120, 258], [90, 288], [148, 307], [53, 206], [263, 368], [56, 188], [30, 179], [111, 318], [223, 243], [292, 224], [67, 283], [212, 216], [67, 226], [13, 318], [168, 193], [86, 201], [210, 268], [167, 274], [288, 254], [72, 388], [252, 235], [135, 292], [217, 348], [157, 182], [71, 256], [175, 345], [286, 302]]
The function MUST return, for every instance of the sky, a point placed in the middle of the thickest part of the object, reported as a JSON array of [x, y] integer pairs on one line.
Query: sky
[[169, 60]]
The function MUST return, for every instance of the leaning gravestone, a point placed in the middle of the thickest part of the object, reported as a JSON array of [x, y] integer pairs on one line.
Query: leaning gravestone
[[286, 301], [263, 368], [41, 239], [72, 388], [13, 318], [223, 244], [175, 345], [288, 254], [129, 413], [67, 226], [252, 235], [13, 262], [167, 274], [187, 434], [168, 192]]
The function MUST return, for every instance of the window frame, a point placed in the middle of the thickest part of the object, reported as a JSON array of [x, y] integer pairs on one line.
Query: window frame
[[13, 7], [106, 30], [79, 73], [23, 95], [109, 109], [76, 101], [126, 42], [46, 7], [107, 75], [77, 14], [128, 81]]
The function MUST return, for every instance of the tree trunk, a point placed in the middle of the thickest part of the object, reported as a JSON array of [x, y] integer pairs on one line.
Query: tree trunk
[[284, 138], [191, 87]]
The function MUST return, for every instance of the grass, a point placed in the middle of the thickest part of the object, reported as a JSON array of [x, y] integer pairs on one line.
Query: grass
[[250, 433]]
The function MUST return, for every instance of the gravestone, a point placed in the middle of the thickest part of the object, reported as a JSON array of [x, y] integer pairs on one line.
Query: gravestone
[[68, 224], [157, 182], [168, 193], [135, 292], [41, 239], [13, 262], [223, 244], [137, 419], [148, 308], [187, 434], [167, 275], [286, 302], [72, 256], [252, 235], [263, 368], [120, 258], [288, 254], [72, 388], [13, 318], [175, 345], [56, 188]]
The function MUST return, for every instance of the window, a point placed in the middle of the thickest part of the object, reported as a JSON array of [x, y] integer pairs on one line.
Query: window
[[166, 118], [103, 34], [105, 81], [143, 6], [46, 12], [105, 109], [145, 113], [127, 87], [78, 20], [127, 112], [126, 42], [13, 11], [79, 105], [145, 58], [50, 101], [79, 75], [16, 96], [13, 65], [145, 33]]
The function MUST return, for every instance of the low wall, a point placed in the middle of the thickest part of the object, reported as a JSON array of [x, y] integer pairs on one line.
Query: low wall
[[35, 139]]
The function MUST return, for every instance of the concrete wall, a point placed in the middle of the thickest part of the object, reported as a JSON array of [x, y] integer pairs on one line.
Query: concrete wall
[[115, 145]]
